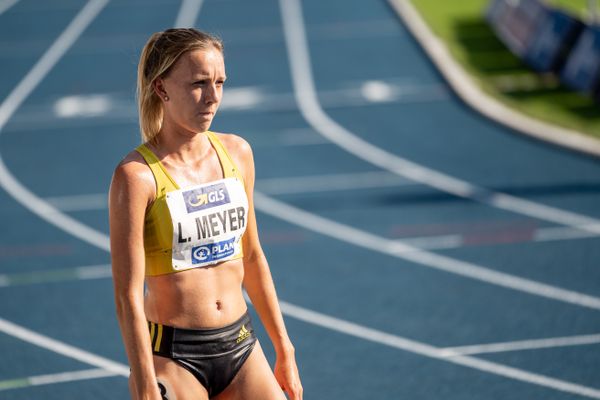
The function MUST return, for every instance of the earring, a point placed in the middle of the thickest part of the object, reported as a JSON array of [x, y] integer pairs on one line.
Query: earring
[[166, 98]]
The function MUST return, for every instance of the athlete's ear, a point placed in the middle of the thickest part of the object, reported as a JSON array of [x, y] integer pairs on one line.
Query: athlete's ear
[[159, 88]]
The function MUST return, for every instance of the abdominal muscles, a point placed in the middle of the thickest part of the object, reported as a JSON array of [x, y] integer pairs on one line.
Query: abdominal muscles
[[208, 297]]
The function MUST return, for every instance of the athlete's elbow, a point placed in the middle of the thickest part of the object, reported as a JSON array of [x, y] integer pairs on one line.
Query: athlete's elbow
[[126, 305], [254, 257]]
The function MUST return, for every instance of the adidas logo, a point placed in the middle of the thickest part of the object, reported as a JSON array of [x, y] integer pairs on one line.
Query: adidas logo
[[243, 335]]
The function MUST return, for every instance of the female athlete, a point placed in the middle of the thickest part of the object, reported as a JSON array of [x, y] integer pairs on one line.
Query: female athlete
[[184, 240]]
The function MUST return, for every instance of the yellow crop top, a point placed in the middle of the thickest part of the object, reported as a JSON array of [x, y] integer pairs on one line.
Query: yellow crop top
[[197, 225]]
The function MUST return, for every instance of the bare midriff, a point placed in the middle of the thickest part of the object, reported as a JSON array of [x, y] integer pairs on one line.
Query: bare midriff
[[208, 297]]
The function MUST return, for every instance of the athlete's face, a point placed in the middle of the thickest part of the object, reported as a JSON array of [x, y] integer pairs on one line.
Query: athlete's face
[[194, 87]]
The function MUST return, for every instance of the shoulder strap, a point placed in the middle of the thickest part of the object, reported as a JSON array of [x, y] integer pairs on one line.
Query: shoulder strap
[[164, 182], [229, 168]]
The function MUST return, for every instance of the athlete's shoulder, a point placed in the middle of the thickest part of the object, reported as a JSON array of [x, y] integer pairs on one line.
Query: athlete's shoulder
[[132, 171], [234, 144], [241, 153]]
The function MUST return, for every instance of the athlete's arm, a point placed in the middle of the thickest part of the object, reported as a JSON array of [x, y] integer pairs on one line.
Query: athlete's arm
[[258, 282], [128, 199]]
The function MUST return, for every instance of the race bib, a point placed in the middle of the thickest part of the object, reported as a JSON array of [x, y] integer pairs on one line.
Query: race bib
[[208, 222]]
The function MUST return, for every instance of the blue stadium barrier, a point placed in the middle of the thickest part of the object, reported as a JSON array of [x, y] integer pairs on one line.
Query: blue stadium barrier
[[582, 70], [514, 22], [555, 36], [539, 35]]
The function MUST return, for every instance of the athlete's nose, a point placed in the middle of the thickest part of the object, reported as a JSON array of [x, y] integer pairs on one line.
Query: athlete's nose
[[211, 94]]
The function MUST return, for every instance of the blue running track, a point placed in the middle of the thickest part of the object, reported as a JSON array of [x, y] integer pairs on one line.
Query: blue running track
[[419, 250]]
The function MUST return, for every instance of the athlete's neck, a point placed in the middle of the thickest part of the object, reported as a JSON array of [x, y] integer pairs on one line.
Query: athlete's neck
[[181, 147]]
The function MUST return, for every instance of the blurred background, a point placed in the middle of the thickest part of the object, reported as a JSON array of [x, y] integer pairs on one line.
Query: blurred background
[[420, 249]]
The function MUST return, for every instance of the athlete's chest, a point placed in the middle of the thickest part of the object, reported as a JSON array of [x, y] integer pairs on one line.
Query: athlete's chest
[[208, 222]]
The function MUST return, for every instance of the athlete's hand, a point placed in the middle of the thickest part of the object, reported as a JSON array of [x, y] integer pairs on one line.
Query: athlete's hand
[[286, 373]]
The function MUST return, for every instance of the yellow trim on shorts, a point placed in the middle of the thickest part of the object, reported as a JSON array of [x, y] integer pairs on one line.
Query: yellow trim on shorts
[[152, 331], [158, 337]]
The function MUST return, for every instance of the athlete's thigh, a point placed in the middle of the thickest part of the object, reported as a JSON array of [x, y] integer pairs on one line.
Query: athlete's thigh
[[255, 380], [178, 382]]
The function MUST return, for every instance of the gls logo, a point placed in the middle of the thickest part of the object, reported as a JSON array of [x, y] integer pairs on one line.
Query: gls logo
[[205, 197], [213, 251]]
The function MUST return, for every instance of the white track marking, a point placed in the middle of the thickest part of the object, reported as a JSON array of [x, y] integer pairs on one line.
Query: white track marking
[[469, 91], [188, 12], [330, 182], [61, 377], [6, 4], [434, 242], [532, 344], [57, 275], [308, 103], [363, 332], [97, 109], [373, 242], [377, 91], [16, 98], [64, 349], [242, 98], [399, 249], [89, 106], [49, 59], [328, 322], [288, 185], [453, 241], [94, 271], [81, 202], [561, 233]]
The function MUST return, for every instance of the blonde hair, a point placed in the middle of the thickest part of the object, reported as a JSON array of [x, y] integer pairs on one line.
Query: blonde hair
[[159, 54]]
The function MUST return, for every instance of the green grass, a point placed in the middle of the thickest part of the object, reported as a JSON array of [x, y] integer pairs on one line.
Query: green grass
[[461, 24]]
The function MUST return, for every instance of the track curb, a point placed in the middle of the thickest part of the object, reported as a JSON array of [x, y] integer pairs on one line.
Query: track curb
[[466, 88]]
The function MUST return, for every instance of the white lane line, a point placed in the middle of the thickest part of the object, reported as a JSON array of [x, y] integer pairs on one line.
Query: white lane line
[[79, 202], [561, 233], [6, 4], [439, 242], [83, 106], [47, 212], [16, 98], [243, 98], [373, 242], [287, 185], [333, 182], [188, 13], [49, 379], [462, 83], [330, 182], [398, 342], [97, 109], [328, 322], [532, 344], [49, 59], [311, 110], [64, 349], [399, 249], [453, 241], [56, 275], [94, 272]]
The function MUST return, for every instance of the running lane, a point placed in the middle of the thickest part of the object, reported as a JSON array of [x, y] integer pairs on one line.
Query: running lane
[[357, 52]]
